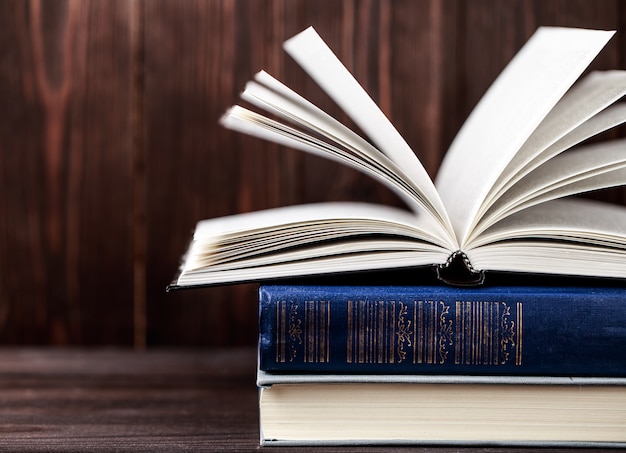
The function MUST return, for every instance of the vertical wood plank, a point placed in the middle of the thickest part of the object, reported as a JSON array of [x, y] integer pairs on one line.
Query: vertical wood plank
[[139, 201], [66, 270], [110, 148], [191, 166], [419, 77]]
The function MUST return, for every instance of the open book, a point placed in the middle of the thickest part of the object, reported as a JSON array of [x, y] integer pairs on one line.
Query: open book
[[496, 204]]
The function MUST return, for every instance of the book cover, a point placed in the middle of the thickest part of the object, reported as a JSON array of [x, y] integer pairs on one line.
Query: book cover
[[540, 331]]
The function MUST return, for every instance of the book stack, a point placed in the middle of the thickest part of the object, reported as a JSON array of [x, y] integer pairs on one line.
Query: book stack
[[462, 361], [441, 365]]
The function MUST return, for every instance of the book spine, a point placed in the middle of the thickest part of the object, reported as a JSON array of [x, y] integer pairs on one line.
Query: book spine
[[442, 330]]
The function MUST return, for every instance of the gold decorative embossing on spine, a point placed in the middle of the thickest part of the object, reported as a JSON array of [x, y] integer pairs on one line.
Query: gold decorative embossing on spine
[[288, 331], [317, 331], [421, 332], [488, 334], [303, 329], [375, 329], [434, 333]]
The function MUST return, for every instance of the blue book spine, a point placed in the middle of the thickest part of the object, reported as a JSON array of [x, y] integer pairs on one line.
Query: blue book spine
[[443, 330]]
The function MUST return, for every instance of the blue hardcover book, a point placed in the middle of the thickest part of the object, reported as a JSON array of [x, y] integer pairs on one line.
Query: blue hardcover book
[[543, 331]]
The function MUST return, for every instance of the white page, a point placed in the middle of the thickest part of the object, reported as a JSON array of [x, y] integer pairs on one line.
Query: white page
[[585, 169], [373, 248], [586, 99], [320, 265], [289, 104], [305, 214], [579, 218], [594, 180], [281, 101], [321, 64], [553, 258], [609, 118], [570, 168], [310, 220], [515, 104], [248, 122], [596, 233], [289, 239], [403, 240]]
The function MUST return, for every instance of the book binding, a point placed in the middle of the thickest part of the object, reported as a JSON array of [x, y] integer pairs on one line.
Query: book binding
[[458, 271], [555, 331]]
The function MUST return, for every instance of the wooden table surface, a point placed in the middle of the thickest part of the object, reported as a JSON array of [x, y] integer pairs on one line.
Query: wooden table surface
[[120, 400]]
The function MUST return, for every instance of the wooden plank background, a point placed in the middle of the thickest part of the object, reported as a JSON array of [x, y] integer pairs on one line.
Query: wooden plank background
[[110, 150]]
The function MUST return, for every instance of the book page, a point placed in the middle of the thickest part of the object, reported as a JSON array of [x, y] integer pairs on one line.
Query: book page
[[271, 95], [584, 101], [574, 237], [271, 219], [321, 64], [309, 239], [609, 118], [331, 260], [512, 108], [248, 122], [584, 169]]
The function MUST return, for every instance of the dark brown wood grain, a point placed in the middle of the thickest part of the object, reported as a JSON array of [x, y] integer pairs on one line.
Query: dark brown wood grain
[[110, 148], [115, 400], [96, 400], [65, 163]]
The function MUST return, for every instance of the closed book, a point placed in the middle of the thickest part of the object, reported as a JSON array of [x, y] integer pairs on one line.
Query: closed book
[[443, 330], [440, 410]]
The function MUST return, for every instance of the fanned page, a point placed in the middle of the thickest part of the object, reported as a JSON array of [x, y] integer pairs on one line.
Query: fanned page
[[272, 96], [308, 239], [315, 57], [512, 108], [378, 167], [585, 169], [391, 161], [579, 115], [575, 237]]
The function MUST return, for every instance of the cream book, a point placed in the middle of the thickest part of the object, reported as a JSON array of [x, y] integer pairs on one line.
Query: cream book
[[462, 410], [497, 203]]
